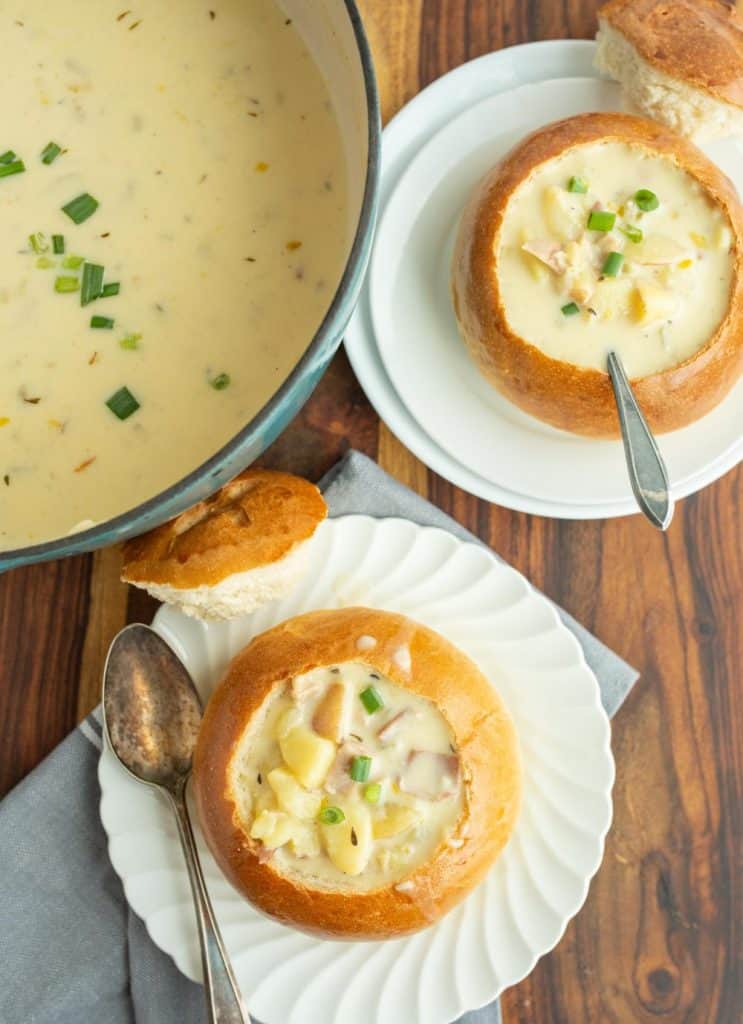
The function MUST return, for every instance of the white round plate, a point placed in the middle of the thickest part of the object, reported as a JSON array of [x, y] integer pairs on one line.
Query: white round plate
[[417, 335], [539, 882], [404, 137]]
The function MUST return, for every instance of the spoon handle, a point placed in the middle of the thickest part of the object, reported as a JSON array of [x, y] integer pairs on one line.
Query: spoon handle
[[224, 1003], [647, 471]]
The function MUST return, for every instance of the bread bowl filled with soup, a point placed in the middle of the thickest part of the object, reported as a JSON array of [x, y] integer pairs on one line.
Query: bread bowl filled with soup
[[603, 232], [186, 203], [356, 775]]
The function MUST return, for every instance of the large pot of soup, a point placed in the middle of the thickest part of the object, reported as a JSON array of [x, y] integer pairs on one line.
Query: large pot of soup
[[187, 198]]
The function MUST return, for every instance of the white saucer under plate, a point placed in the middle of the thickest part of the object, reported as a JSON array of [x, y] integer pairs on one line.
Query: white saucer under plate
[[540, 881], [438, 404]]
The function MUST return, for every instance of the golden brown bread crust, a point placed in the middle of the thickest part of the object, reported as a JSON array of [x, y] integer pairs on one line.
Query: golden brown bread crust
[[484, 735], [254, 520], [697, 41], [572, 397]]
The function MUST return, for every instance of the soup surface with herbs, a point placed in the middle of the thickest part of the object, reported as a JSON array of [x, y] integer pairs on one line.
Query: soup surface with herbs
[[174, 225], [613, 247]]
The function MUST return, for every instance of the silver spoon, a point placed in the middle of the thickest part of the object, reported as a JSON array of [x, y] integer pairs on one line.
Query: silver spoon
[[647, 471], [152, 713]]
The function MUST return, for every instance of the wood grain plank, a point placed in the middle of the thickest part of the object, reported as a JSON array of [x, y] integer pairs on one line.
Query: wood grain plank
[[107, 602], [43, 613]]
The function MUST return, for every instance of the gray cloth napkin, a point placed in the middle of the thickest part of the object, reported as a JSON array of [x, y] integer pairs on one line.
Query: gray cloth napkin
[[70, 948]]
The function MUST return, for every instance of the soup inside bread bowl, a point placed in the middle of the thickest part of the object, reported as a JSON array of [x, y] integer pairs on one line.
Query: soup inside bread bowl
[[603, 232], [356, 775]]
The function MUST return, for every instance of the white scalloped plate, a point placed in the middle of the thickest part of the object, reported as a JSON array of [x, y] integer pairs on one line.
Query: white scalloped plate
[[495, 937]]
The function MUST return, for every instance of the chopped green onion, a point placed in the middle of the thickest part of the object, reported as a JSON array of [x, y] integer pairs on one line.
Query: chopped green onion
[[122, 403], [331, 816], [220, 382], [73, 262], [39, 242], [7, 157], [601, 220], [16, 167], [372, 792], [50, 153], [80, 208], [58, 244], [613, 264], [66, 284], [577, 184], [634, 234], [92, 283], [371, 698], [646, 200], [44, 263], [360, 768], [110, 289], [570, 309], [102, 322], [130, 341]]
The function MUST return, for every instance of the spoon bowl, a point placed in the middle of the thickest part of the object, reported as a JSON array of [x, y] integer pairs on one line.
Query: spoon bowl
[[151, 708]]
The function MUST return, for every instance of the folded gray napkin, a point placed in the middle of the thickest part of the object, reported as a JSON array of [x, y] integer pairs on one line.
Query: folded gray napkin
[[70, 948]]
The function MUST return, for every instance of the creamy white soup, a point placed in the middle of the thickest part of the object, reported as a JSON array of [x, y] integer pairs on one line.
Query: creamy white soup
[[348, 780], [191, 151], [612, 247]]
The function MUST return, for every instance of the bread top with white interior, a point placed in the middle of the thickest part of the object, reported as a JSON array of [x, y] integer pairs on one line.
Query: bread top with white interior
[[255, 520], [697, 41]]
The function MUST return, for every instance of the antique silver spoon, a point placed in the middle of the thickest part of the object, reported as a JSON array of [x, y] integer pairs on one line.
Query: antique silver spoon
[[152, 713], [647, 471]]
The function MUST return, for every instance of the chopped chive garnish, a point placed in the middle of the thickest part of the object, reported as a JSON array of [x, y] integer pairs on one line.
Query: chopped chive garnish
[[7, 157], [634, 234], [66, 284], [570, 309], [646, 200], [372, 792], [45, 263], [601, 220], [331, 816], [92, 283], [16, 167], [371, 698], [102, 322], [577, 184], [360, 768], [220, 382], [80, 208], [58, 244], [38, 242], [50, 152], [122, 403], [613, 264], [130, 341], [110, 289], [73, 262]]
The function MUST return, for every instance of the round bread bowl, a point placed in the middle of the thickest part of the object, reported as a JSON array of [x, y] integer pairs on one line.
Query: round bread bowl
[[566, 395], [485, 742]]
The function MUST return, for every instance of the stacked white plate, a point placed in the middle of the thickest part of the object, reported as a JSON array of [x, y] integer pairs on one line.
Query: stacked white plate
[[403, 341]]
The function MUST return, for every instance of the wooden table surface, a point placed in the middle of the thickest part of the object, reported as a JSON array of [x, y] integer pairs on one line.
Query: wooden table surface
[[659, 938]]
